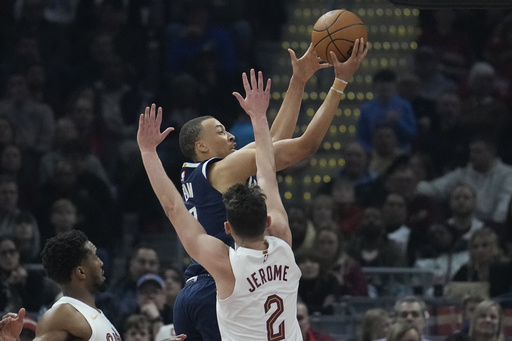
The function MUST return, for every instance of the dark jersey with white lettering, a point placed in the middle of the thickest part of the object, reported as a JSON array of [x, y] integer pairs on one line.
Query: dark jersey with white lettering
[[205, 203]]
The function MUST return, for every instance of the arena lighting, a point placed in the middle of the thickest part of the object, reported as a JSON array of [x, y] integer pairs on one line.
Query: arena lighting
[[455, 4]]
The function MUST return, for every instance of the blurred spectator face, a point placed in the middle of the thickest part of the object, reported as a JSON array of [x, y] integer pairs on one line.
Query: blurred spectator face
[[411, 312], [371, 227], [448, 109], [486, 322], [173, 283], [303, 317], [9, 256], [462, 201], [151, 292], [24, 231], [343, 191], [102, 47], [322, 209], [298, 224], [403, 181], [440, 237], [481, 156], [327, 241], [11, 159], [484, 249], [410, 335], [310, 268], [63, 216], [355, 160], [65, 131], [8, 196], [408, 87], [384, 140], [83, 113], [144, 262], [137, 334], [394, 210], [6, 132], [384, 91], [36, 77], [17, 88]]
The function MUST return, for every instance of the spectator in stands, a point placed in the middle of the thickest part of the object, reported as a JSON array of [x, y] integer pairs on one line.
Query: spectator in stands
[[64, 216], [120, 299], [413, 310], [394, 219], [8, 203], [375, 325], [371, 246], [174, 282], [303, 234], [7, 132], [486, 263], [22, 287], [308, 333], [463, 222], [385, 148], [483, 111], [487, 322], [137, 327], [403, 331], [27, 237], [445, 142], [491, 179], [386, 107], [316, 288], [468, 305], [151, 302], [427, 68], [441, 255], [12, 163], [345, 269], [348, 212]]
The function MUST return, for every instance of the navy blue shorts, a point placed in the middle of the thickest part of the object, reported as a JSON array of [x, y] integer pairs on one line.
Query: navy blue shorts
[[195, 311]]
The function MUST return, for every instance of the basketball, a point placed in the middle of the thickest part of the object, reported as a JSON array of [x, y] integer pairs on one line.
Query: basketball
[[337, 31]]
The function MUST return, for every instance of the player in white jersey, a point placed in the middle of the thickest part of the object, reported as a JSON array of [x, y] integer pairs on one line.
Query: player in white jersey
[[257, 282], [69, 259]]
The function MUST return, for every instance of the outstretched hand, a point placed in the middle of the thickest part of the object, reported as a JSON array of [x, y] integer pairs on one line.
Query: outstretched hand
[[306, 66], [11, 325], [257, 97], [149, 135], [347, 69]]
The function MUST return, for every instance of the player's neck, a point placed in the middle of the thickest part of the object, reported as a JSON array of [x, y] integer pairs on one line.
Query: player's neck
[[80, 294], [254, 244]]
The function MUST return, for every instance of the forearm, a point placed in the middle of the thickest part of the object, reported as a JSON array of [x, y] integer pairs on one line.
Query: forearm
[[286, 119]]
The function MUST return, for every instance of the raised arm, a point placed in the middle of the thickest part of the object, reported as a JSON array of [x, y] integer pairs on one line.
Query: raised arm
[[265, 160], [303, 69], [238, 166], [207, 250]]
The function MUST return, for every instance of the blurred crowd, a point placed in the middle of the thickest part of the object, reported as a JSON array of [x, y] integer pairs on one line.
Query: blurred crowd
[[427, 180]]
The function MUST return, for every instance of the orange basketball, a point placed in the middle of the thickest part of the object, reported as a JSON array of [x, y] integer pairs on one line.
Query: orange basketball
[[337, 31]]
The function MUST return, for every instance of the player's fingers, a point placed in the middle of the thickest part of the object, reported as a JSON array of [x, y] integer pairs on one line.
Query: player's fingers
[[239, 98], [159, 116], [292, 54], [245, 82], [267, 89], [334, 58], [254, 84], [260, 80]]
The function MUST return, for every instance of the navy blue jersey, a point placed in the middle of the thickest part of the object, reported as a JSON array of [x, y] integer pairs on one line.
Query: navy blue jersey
[[205, 203]]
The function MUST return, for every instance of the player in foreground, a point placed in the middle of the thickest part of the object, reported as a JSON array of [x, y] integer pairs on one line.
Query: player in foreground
[[257, 281], [217, 165], [69, 259]]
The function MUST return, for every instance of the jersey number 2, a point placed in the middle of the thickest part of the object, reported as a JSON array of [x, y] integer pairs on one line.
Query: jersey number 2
[[274, 300]]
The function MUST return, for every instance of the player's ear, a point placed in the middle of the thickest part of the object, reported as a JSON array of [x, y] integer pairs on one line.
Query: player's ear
[[227, 227], [201, 147], [79, 271], [269, 221]]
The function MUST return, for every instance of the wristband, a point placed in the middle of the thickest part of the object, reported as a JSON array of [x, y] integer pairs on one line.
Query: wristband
[[339, 85], [338, 91]]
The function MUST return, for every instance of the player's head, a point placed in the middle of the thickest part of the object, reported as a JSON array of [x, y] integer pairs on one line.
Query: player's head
[[71, 253], [246, 210], [204, 137]]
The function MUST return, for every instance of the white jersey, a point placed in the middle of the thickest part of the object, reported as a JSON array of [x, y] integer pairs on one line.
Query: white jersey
[[263, 305], [102, 328]]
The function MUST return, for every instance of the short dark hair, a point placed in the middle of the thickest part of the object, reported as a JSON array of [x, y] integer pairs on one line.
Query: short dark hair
[[63, 253], [246, 210], [189, 134]]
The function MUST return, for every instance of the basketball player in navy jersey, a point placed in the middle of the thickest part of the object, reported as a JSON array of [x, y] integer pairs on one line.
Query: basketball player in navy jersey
[[257, 282], [217, 165]]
